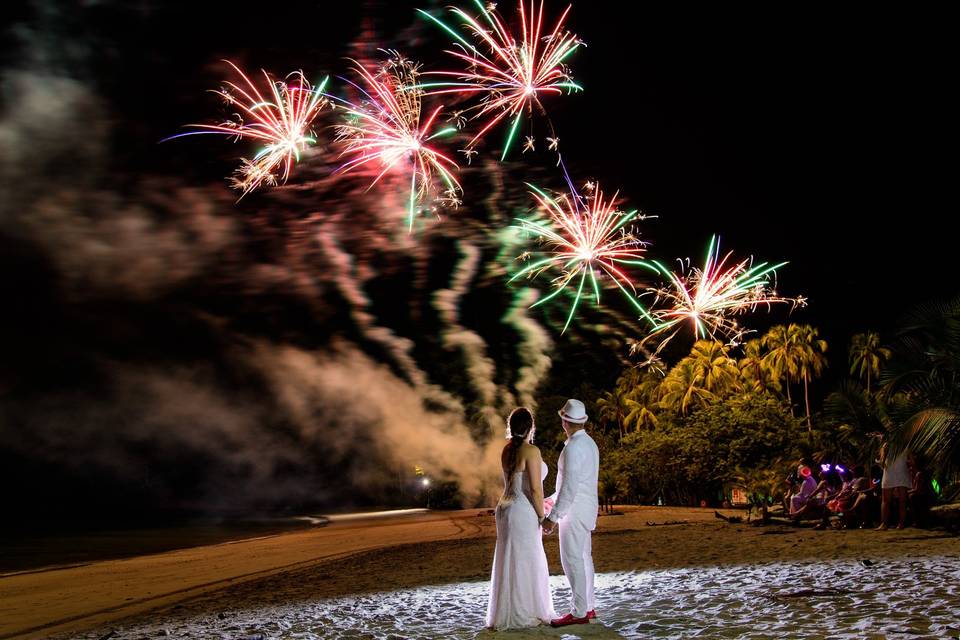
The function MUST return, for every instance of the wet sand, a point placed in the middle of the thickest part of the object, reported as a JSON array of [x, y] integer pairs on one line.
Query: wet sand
[[362, 559]]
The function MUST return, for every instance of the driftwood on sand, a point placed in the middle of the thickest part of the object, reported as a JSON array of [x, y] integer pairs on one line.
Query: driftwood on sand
[[730, 519]]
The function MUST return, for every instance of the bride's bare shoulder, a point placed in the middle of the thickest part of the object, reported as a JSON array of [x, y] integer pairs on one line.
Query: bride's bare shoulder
[[530, 449]]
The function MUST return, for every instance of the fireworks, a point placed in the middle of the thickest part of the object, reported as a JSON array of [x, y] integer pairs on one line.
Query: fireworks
[[584, 239], [280, 117], [515, 73], [384, 128], [711, 298]]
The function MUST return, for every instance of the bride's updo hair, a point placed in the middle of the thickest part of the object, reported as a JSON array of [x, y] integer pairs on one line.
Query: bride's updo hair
[[520, 423], [520, 429]]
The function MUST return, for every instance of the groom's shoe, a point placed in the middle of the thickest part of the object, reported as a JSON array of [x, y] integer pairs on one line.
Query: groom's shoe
[[591, 614], [568, 620]]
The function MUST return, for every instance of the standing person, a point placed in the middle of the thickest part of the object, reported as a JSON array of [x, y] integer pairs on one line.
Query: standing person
[[895, 484], [520, 579], [574, 507]]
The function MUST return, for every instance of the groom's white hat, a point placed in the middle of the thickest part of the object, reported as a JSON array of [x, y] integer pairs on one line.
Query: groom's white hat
[[573, 411]]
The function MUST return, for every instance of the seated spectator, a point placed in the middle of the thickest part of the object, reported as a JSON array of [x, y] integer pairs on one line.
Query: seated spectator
[[826, 490], [807, 485], [793, 485], [863, 494], [844, 498]]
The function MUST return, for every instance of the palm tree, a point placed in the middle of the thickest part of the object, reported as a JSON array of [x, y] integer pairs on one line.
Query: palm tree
[[755, 371], [867, 356], [925, 369], [613, 408], [810, 360], [642, 401], [781, 357], [607, 488], [682, 390], [718, 370], [629, 380], [648, 386], [640, 416], [795, 353], [859, 418]]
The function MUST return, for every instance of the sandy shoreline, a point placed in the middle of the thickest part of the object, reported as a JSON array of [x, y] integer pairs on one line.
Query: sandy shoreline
[[432, 549]]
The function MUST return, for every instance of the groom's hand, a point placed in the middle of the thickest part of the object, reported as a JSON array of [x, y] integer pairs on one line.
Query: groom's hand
[[548, 526]]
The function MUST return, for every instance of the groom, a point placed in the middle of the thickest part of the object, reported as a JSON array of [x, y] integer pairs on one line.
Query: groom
[[575, 509]]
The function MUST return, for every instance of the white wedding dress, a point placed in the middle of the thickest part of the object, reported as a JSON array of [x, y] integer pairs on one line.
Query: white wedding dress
[[520, 582]]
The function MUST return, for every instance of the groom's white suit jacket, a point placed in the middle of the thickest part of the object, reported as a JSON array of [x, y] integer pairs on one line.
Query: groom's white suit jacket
[[577, 472]]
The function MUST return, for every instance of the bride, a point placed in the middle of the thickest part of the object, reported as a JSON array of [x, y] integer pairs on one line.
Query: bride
[[520, 582]]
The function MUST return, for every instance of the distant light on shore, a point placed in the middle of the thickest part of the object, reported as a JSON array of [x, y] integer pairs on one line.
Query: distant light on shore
[[371, 515]]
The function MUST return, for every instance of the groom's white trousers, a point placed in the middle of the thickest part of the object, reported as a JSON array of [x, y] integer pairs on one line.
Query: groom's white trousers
[[576, 556]]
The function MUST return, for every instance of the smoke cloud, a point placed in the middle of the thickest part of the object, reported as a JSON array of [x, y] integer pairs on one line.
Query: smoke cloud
[[296, 348]]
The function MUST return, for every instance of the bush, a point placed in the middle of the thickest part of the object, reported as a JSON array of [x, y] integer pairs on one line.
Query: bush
[[688, 459]]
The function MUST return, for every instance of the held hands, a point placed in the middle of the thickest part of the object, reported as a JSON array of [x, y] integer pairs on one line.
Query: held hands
[[548, 526]]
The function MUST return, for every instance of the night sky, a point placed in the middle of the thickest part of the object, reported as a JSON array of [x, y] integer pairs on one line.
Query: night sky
[[136, 291]]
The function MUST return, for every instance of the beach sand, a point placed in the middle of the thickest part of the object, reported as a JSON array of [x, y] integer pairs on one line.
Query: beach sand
[[425, 576]]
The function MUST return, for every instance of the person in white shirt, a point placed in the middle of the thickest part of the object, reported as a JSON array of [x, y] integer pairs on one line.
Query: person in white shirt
[[574, 509]]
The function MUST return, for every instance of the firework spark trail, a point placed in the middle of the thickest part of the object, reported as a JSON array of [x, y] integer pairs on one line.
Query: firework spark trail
[[534, 347], [584, 238], [512, 78], [480, 368], [343, 273], [612, 330], [712, 297], [281, 118], [385, 128]]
